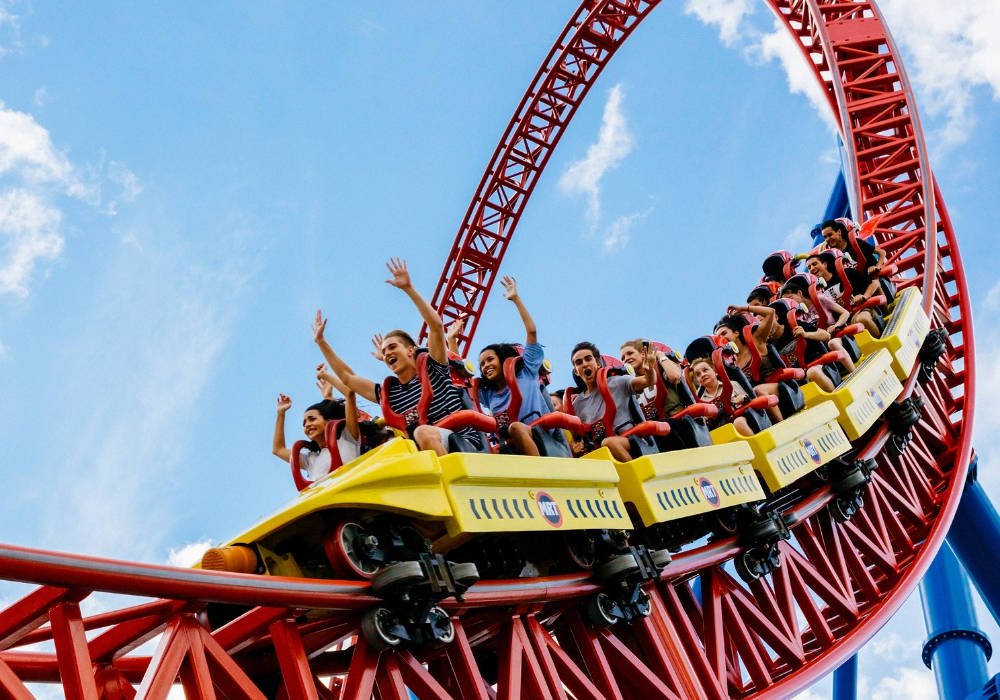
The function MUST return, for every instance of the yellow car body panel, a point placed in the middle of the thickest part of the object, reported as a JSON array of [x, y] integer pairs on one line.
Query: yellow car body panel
[[672, 485], [863, 396], [796, 446], [511, 493], [394, 478], [903, 335]]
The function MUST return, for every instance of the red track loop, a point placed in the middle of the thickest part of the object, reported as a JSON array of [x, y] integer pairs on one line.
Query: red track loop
[[838, 582]]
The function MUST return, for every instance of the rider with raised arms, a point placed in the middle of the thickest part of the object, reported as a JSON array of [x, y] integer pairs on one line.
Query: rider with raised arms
[[399, 352]]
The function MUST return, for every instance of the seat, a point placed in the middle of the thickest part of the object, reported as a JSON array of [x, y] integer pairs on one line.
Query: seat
[[468, 417]]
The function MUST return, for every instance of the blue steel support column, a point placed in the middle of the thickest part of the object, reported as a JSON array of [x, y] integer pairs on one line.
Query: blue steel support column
[[839, 205], [845, 680], [975, 536], [955, 648]]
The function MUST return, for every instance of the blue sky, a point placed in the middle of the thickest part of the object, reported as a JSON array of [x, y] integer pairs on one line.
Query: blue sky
[[182, 186]]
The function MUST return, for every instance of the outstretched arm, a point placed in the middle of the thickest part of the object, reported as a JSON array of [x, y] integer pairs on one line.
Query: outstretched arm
[[436, 344], [510, 293], [453, 333], [278, 448], [671, 370], [365, 387], [327, 381], [647, 378], [768, 317]]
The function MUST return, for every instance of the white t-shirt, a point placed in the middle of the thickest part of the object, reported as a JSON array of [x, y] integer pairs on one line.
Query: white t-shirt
[[316, 465]]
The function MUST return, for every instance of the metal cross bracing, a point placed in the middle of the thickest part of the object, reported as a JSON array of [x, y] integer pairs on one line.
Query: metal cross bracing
[[710, 635], [571, 67]]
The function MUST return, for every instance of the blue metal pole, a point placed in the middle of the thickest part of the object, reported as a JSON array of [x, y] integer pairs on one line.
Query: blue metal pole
[[955, 648], [839, 205], [974, 536], [845, 680]]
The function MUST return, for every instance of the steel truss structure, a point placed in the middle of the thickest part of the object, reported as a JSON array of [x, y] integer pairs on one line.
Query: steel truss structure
[[709, 635]]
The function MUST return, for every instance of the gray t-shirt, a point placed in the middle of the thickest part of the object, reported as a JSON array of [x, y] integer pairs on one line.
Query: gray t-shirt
[[589, 407]]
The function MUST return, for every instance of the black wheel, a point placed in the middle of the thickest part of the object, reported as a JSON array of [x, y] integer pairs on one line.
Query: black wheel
[[442, 628], [749, 566], [397, 577], [843, 508], [465, 573], [599, 610], [376, 626], [616, 568], [661, 557]]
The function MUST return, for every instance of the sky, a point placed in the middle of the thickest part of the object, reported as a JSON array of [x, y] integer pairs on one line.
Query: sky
[[183, 185]]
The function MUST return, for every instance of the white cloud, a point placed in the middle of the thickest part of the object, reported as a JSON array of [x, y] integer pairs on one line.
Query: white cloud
[[949, 55], [618, 233], [894, 647], [10, 31], [33, 174], [614, 142], [912, 683], [992, 301], [779, 44], [31, 168], [987, 416], [29, 233], [41, 97], [188, 555], [26, 149], [727, 15]]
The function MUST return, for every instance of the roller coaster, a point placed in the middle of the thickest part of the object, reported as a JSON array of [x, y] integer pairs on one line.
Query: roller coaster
[[858, 489]]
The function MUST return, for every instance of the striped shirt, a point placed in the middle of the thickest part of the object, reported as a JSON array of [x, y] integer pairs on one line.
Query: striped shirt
[[447, 399]]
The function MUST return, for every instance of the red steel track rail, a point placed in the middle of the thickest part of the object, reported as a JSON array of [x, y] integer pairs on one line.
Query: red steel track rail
[[838, 583]]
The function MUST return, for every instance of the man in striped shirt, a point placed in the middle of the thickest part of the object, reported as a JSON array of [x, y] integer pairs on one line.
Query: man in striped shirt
[[399, 352]]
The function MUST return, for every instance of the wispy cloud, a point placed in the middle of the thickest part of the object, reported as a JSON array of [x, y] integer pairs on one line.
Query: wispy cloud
[[34, 175], [10, 30], [779, 45], [912, 683], [614, 142], [798, 239], [29, 233], [617, 236], [188, 555], [172, 317], [727, 15], [987, 417], [949, 54]]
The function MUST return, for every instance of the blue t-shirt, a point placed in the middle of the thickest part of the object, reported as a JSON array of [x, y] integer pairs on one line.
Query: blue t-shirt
[[532, 400]]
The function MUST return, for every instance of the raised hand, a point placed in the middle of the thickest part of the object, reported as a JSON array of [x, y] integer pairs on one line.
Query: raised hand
[[455, 327], [324, 381], [319, 326], [400, 275], [284, 403], [509, 287], [377, 344]]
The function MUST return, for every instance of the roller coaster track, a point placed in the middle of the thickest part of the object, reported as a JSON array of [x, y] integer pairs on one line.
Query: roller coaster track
[[709, 634]]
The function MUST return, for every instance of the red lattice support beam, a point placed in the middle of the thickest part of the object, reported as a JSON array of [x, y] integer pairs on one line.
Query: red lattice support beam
[[590, 39]]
